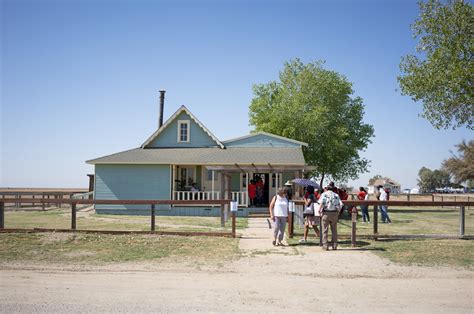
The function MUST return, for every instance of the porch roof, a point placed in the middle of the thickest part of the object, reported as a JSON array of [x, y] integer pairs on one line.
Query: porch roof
[[214, 156]]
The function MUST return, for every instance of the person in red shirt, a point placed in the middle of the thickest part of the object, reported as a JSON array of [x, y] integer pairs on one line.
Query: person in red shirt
[[252, 189], [364, 196]]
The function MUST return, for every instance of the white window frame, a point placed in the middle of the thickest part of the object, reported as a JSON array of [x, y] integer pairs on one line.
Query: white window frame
[[181, 122]]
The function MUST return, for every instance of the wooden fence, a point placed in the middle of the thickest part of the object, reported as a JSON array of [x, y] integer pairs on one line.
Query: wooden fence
[[151, 203], [462, 218], [223, 202]]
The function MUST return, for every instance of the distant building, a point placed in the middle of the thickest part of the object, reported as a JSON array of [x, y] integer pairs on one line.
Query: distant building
[[387, 183]]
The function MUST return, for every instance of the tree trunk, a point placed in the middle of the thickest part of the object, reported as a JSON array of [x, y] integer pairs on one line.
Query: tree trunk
[[321, 182]]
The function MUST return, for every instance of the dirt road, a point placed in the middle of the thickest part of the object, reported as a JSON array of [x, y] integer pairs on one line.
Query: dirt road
[[266, 279]]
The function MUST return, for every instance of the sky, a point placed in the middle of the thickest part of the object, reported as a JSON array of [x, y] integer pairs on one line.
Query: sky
[[80, 79]]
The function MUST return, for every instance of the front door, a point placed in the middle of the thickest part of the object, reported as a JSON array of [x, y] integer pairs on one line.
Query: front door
[[262, 182]]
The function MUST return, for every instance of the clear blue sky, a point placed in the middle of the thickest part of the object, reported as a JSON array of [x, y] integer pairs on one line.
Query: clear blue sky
[[80, 79]]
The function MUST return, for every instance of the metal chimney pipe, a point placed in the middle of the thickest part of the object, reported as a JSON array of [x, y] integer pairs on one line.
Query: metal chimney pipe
[[162, 105]]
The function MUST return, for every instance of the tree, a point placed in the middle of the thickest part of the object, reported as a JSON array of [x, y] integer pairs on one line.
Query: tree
[[462, 167], [430, 180], [443, 79], [374, 178], [315, 105]]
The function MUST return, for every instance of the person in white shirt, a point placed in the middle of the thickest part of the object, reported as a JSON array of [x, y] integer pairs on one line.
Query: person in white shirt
[[384, 208], [279, 215], [330, 205]]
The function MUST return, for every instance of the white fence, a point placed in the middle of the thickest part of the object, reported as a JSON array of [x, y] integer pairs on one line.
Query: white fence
[[240, 197]]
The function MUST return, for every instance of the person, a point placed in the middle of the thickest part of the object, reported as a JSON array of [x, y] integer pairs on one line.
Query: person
[[279, 214], [260, 186], [330, 204], [289, 190], [364, 196], [194, 188], [252, 189], [311, 220], [384, 208]]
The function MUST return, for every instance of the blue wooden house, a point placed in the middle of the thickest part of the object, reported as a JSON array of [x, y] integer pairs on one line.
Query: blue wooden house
[[182, 156]]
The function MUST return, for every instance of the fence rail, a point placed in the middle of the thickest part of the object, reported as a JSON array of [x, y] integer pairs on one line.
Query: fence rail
[[152, 203], [223, 202]]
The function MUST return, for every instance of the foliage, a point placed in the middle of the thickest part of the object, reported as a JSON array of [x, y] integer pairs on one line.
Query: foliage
[[315, 105], [462, 167], [443, 79], [429, 180]]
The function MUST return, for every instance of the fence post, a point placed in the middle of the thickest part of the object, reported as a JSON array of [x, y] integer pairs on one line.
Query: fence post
[[42, 201], [2, 215], [33, 196], [462, 222], [408, 197], [442, 200], [432, 197], [353, 233], [73, 216], [233, 224], [152, 217], [376, 222]]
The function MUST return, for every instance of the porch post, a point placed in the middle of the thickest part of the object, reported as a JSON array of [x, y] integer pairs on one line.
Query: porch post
[[222, 197], [173, 182], [228, 195], [212, 186]]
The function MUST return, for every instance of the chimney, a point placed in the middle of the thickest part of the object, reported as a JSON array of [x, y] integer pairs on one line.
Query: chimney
[[162, 105]]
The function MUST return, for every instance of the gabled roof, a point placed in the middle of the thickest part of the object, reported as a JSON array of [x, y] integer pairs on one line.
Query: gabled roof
[[267, 134], [172, 118]]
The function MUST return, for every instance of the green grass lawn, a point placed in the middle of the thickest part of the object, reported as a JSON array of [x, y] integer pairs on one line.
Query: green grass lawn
[[61, 219], [79, 249]]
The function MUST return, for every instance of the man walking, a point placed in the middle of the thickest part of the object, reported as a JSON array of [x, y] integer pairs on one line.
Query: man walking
[[330, 205], [384, 208]]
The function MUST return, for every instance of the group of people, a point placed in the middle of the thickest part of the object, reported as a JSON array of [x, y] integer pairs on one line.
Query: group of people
[[326, 205], [256, 191]]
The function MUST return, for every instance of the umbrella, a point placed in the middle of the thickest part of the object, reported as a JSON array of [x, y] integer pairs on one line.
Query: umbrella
[[305, 182]]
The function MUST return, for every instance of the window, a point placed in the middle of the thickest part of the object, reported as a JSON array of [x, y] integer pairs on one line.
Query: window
[[183, 131]]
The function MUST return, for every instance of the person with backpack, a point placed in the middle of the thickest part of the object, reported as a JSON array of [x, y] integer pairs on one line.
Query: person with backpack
[[330, 205], [311, 219]]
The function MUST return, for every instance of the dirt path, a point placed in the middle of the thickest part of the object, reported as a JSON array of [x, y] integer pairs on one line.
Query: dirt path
[[266, 279]]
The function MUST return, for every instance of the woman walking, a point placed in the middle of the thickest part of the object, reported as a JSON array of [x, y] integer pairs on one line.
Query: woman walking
[[311, 220], [279, 215], [364, 196]]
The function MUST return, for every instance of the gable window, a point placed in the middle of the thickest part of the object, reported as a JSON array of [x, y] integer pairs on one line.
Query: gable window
[[183, 131]]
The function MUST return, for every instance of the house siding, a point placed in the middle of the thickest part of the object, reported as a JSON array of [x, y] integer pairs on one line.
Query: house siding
[[261, 140], [132, 182], [169, 136]]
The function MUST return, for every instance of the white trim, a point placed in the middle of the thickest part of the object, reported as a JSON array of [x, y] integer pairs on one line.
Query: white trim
[[267, 134], [172, 118], [188, 131]]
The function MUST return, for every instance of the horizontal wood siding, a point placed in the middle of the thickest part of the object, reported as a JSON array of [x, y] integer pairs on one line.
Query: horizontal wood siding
[[261, 140], [169, 136], [121, 182], [175, 211]]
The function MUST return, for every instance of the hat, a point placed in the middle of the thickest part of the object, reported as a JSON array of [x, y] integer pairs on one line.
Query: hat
[[288, 182]]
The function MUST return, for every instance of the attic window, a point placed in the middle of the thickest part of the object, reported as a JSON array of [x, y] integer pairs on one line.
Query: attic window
[[183, 131]]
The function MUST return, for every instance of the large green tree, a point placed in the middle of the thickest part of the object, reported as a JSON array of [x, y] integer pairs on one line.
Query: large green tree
[[441, 75], [462, 167], [312, 104], [429, 180]]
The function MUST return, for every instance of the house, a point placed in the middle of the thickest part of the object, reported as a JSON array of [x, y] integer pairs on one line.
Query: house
[[387, 183], [183, 160]]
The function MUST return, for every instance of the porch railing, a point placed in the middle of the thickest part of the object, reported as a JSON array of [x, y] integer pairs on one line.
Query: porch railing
[[196, 196], [240, 197]]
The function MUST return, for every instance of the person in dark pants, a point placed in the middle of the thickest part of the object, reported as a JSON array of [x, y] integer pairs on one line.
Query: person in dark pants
[[363, 196]]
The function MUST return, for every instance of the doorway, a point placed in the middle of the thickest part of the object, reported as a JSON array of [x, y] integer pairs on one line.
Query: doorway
[[262, 182]]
